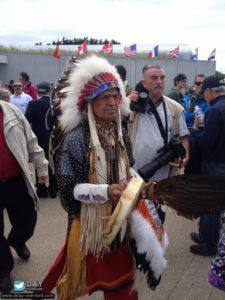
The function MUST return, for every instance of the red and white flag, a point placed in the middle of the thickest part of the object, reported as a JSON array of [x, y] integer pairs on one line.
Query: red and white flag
[[82, 48], [212, 55], [107, 48]]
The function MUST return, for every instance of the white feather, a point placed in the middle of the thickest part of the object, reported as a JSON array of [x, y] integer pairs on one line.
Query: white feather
[[147, 242]]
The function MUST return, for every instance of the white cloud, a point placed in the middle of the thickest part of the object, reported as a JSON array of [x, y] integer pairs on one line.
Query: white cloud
[[127, 21]]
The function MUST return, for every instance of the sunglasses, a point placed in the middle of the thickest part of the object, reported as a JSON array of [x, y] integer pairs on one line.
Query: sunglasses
[[17, 86], [198, 82]]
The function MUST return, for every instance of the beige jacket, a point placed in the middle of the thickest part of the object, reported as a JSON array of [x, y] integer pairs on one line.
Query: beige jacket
[[175, 109], [23, 144]]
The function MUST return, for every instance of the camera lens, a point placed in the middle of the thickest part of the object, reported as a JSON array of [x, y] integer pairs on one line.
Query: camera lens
[[149, 170]]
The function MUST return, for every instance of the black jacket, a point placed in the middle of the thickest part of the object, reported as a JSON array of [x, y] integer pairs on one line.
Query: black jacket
[[36, 115], [211, 139]]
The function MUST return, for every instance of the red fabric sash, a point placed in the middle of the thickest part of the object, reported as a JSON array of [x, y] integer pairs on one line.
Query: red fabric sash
[[111, 272], [54, 273]]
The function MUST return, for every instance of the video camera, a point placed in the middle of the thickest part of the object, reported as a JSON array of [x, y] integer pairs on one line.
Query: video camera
[[174, 150]]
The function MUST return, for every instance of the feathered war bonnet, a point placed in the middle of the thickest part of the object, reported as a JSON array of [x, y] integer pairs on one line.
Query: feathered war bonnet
[[90, 74], [89, 78]]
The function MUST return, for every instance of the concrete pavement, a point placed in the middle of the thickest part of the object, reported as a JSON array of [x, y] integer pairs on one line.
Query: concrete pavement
[[186, 276]]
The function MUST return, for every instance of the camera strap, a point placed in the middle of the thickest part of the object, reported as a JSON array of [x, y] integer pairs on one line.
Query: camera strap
[[193, 101], [163, 131]]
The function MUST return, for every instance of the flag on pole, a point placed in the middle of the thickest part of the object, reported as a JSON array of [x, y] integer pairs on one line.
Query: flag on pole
[[154, 52], [56, 53], [212, 55], [174, 53], [130, 51], [82, 48], [107, 48], [195, 55]]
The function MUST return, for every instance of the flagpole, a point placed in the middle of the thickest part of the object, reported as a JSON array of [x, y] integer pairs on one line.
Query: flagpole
[[135, 70], [59, 68], [112, 53]]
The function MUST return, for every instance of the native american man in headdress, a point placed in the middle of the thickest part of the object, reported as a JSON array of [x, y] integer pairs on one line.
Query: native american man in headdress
[[94, 165], [94, 170]]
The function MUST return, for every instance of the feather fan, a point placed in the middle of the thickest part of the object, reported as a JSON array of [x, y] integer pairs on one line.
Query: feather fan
[[191, 196]]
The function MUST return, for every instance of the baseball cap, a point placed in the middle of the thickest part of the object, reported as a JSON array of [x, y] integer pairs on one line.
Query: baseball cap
[[212, 82], [43, 87]]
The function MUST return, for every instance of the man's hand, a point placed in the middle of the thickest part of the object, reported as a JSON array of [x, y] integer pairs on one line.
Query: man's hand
[[185, 161], [42, 179], [196, 123], [186, 88], [185, 143], [133, 96], [114, 192]]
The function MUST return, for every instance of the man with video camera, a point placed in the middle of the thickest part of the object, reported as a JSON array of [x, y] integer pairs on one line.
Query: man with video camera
[[157, 128]]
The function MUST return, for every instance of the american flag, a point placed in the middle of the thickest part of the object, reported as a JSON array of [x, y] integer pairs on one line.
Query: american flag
[[130, 51], [174, 53]]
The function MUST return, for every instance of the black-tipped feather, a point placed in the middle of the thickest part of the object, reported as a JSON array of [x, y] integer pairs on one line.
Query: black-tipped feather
[[192, 196]]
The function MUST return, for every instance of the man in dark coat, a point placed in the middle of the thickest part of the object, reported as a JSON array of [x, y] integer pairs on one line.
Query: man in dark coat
[[42, 122], [211, 140]]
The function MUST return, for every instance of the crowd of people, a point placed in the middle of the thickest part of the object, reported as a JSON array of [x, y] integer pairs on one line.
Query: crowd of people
[[109, 133]]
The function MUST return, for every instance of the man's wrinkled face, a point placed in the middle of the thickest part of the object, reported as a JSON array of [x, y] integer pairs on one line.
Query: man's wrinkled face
[[154, 82], [105, 106]]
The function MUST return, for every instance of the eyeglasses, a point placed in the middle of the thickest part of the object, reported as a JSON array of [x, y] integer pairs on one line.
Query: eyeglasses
[[17, 85], [198, 82]]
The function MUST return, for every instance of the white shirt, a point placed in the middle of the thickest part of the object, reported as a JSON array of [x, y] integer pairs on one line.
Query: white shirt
[[21, 101], [149, 140]]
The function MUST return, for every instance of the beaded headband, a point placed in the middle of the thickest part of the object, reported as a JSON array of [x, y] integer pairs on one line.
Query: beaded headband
[[98, 84]]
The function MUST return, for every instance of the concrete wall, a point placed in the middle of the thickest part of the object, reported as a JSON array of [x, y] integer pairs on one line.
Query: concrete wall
[[44, 67], [3, 59]]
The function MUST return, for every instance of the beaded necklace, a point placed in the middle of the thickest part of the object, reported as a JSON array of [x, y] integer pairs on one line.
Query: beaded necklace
[[108, 140]]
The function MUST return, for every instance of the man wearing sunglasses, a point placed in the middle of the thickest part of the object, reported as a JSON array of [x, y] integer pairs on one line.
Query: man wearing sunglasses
[[20, 99], [193, 99]]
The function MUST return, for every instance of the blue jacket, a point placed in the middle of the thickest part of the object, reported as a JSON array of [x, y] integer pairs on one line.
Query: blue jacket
[[189, 111], [211, 139]]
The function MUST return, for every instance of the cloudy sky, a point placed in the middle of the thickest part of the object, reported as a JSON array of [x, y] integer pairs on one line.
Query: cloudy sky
[[196, 23]]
